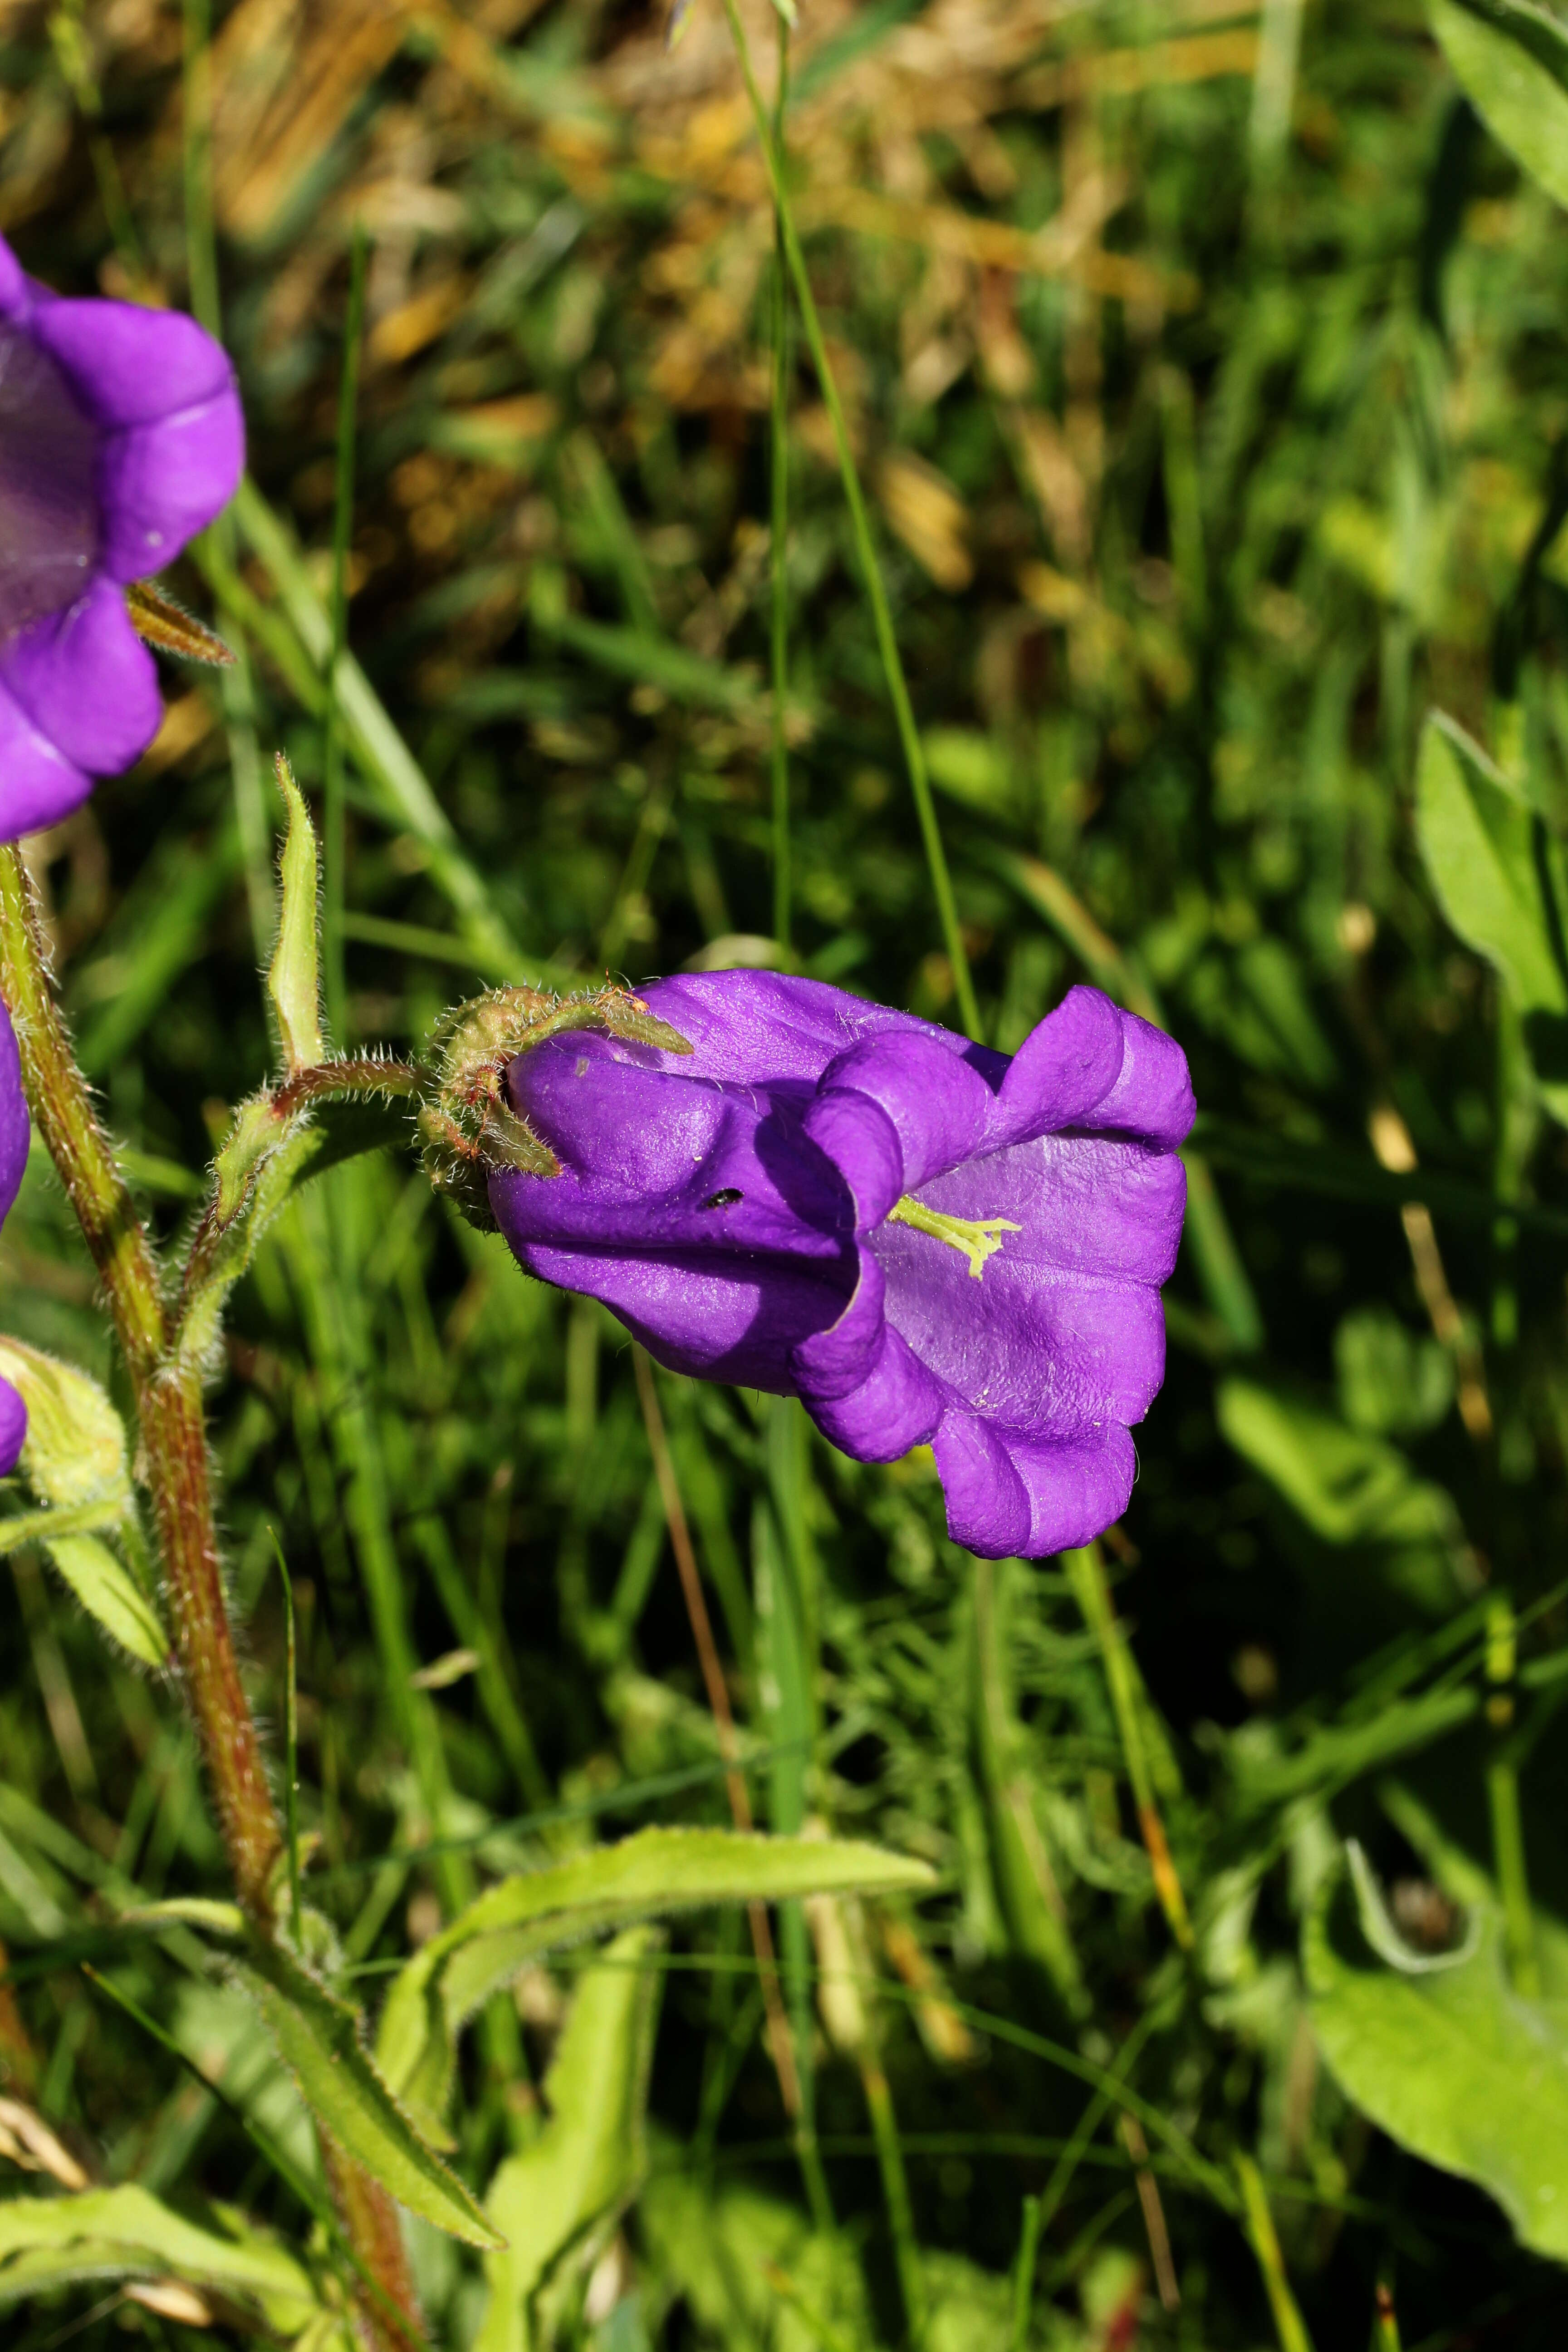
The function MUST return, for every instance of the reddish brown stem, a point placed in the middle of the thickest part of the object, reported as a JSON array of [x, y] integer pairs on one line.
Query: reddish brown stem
[[178, 1474], [386, 2317], [173, 1440]]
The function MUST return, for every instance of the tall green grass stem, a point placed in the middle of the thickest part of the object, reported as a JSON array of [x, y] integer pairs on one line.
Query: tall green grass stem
[[237, 685], [1502, 1798], [778, 538], [896, 2192], [1086, 1572], [291, 1746], [335, 843], [865, 547], [1264, 2240], [1024, 2274]]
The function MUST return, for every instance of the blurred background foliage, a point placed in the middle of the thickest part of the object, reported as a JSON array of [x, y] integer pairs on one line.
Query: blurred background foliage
[[1207, 368]]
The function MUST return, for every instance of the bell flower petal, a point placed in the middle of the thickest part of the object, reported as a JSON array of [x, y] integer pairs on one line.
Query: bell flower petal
[[120, 437], [927, 1242]]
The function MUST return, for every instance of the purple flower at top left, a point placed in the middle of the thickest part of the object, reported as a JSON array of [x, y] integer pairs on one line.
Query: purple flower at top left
[[120, 437], [15, 1133]]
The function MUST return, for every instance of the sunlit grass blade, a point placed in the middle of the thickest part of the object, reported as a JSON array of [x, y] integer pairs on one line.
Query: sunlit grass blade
[[870, 565], [334, 818]]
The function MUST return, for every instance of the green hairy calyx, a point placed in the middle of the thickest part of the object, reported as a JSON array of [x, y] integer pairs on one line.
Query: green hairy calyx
[[467, 1128]]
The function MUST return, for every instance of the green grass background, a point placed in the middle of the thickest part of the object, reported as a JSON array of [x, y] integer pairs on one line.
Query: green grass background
[[1210, 402]]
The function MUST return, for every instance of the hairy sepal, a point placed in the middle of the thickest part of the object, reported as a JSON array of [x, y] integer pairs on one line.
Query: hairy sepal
[[470, 1130]]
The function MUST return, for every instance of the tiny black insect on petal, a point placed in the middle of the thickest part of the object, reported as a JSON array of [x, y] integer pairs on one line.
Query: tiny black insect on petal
[[724, 1200]]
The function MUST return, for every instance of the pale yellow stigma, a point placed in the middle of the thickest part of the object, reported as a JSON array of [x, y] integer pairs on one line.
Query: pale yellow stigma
[[979, 1238]]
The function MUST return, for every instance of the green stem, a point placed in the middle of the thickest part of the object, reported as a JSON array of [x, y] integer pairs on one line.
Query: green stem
[[896, 2190], [201, 245], [1086, 1572], [333, 828], [1503, 1800], [1264, 2240], [865, 547], [1024, 2273], [322, 1244], [778, 542], [291, 1748]]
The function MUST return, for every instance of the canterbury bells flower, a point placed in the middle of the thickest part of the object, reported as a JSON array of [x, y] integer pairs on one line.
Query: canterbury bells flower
[[926, 1242], [121, 436], [14, 1135]]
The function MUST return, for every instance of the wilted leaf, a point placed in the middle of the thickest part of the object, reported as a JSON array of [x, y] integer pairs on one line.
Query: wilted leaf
[[1453, 2064], [926, 512], [160, 621], [1513, 59], [318, 2038], [561, 2195], [649, 1875]]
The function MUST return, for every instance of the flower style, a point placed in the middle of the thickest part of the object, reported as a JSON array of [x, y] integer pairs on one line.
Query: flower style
[[14, 1135], [121, 436], [926, 1242]]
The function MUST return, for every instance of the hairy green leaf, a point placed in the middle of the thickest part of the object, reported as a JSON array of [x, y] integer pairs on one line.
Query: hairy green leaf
[[562, 2195], [292, 979], [649, 1875], [1513, 59], [318, 2038]]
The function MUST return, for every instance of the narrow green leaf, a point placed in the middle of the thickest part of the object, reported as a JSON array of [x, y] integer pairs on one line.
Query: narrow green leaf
[[1498, 876], [401, 789], [1340, 1753], [318, 2038], [1350, 1486], [111, 1594], [213, 1916], [649, 1875], [292, 978], [1513, 59], [563, 2196], [47, 2243], [1454, 2065]]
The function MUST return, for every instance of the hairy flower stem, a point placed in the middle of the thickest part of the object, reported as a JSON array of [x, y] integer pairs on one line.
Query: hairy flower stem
[[178, 1474], [168, 1401]]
